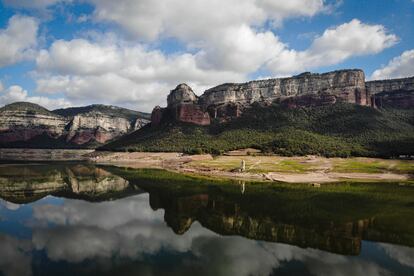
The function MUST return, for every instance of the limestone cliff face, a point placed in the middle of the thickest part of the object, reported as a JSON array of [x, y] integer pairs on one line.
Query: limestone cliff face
[[183, 106], [397, 93], [228, 101], [21, 123], [346, 85], [100, 127]]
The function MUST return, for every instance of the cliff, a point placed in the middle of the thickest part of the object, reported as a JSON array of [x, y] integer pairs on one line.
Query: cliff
[[229, 100], [345, 85], [395, 93], [30, 125]]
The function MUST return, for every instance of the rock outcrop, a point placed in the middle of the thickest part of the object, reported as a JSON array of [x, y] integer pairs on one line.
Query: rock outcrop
[[30, 125], [228, 101], [396, 93], [183, 105]]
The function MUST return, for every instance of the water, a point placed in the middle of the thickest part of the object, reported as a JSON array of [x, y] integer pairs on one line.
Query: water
[[78, 219]]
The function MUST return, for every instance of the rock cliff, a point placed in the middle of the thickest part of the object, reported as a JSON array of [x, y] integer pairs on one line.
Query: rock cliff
[[228, 100], [396, 93], [30, 125]]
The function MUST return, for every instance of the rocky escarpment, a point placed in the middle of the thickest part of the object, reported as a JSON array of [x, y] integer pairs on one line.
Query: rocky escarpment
[[30, 125], [229, 100], [24, 121], [396, 93], [345, 85]]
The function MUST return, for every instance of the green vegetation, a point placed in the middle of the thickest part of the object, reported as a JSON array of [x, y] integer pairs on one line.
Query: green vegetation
[[29, 108], [265, 164], [105, 109], [373, 166], [341, 130], [258, 164]]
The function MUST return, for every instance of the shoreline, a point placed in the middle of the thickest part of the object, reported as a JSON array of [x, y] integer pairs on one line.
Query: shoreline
[[299, 169], [320, 170]]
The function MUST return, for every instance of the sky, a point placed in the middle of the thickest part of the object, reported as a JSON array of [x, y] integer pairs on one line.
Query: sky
[[131, 53]]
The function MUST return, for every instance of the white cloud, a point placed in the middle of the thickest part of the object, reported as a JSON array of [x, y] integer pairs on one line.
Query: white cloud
[[117, 73], [18, 39], [16, 93], [399, 67], [80, 57], [336, 45], [193, 20]]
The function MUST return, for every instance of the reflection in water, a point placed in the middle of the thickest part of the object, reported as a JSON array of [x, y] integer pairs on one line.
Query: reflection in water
[[28, 183], [137, 233]]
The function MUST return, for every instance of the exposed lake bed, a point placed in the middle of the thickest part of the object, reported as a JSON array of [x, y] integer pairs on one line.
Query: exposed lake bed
[[297, 169]]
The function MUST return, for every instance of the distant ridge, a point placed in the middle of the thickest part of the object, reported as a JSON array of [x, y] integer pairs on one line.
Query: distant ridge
[[29, 125]]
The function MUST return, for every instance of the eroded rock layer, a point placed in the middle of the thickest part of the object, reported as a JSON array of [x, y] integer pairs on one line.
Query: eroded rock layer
[[395, 93], [26, 124]]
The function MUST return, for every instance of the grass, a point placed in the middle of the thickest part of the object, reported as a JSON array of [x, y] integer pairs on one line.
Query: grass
[[366, 165], [265, 164], [256, 164]]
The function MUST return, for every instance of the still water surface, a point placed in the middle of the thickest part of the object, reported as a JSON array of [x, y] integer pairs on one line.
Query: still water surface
[[79, 219]]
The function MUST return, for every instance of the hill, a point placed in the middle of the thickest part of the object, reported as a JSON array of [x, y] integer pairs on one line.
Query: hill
[[105, 109], [341, 130], [29, 108], [28, 125]]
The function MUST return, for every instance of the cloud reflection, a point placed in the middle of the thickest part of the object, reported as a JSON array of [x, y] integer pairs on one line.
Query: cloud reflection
[[129, 228], [15, 259]]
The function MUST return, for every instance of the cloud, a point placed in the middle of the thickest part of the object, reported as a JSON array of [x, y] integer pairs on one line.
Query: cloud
[[16, 93], [116, 72], [334, 46], [193, 20], [18, 39], [399, 67]]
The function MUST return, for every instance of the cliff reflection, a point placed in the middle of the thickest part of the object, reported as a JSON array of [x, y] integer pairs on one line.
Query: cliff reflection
[[226, 217], [334, 218], [28, 183]]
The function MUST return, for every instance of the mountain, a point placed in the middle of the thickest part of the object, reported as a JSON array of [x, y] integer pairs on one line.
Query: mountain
[[332, 114], [29, 125]]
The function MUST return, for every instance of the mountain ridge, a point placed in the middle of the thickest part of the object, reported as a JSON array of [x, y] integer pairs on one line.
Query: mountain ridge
[[24, 124], [336, 113]]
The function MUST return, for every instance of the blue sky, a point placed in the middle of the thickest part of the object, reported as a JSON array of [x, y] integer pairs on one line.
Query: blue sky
[[132, 52]]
